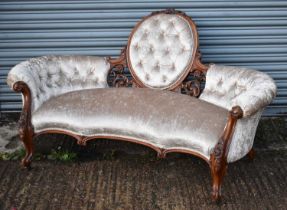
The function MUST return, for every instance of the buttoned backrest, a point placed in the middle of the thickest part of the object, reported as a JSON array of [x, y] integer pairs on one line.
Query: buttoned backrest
[[50, 76], [161, 50]]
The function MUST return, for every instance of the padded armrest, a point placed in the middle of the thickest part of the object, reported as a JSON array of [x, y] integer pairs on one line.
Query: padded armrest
[[229, 86], [50, 76]]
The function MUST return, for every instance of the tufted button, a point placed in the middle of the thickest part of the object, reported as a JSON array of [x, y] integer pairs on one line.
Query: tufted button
[[167, 51], [171, 24], [155, 22], [156, 67], [90, 72], [182, 50], [220, 82], [147, 77], [164, 78], [145, 35], [136, 46], [172, 67], [140, 63]]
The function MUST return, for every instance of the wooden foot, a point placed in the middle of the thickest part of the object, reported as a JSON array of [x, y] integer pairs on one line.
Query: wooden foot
[[251, 154], [218, 170], [27, 140]]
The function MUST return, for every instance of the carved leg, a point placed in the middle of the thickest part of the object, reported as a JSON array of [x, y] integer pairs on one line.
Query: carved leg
[[218, 159], [26, 130], [251, 154], [218, 170], [27, 138]]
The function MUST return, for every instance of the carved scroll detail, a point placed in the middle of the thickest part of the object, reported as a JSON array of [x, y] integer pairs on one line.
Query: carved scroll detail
[[193, 86], [116, 77], [197, 64], [170, 11]]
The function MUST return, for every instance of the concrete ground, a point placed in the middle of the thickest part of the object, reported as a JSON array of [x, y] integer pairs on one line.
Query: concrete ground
[[118, 175]]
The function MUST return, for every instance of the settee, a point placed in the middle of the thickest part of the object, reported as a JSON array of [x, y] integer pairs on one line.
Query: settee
[[175, 103]]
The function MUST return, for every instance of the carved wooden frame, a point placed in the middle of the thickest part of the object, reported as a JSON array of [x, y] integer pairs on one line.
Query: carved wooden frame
[[195, 68], [218, 158]]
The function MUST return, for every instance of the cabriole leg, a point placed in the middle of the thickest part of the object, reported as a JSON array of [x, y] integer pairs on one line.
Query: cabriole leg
[[26, 130], [28, 143], [218, 170], [26, 136]]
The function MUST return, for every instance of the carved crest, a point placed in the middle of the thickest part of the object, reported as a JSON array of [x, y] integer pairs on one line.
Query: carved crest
[[170, 11]]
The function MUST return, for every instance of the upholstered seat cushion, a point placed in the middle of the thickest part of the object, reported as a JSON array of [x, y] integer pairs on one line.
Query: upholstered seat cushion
[[163, 118]]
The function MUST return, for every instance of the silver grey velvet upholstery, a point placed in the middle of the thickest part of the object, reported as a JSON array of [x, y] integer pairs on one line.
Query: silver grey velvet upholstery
[[228, 86], [163, 118], [243, 136], [161, 49], [50, 76]]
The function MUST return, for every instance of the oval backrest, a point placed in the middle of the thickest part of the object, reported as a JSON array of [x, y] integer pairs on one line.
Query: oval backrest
[[161, 49]]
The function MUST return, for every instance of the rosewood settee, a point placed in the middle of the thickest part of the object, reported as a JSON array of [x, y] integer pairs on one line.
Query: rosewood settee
[[72, 95]]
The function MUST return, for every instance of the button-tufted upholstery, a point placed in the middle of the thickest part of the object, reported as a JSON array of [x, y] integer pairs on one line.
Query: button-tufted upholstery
[[229, 86], [161, 49], [147, 115], [53, 75]]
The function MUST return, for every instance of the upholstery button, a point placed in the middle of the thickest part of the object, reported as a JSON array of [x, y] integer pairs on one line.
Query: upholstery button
[[76, 71], [164, 78], [219, 82], [140, 64], [156, 67], [136, 46], [173, 67], [155, 22], [167, 50], [147, 77], [171, 24]]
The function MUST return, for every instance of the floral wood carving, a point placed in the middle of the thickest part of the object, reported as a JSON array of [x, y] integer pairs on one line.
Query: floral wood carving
[[193, 85], [197, 64], [170, 11], [117, 77]]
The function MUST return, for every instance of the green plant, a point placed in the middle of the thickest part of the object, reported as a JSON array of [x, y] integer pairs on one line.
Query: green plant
[[16, 155], [65, 156]]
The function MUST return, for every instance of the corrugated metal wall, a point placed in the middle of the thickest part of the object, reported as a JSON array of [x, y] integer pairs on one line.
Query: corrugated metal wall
[[242, 33]]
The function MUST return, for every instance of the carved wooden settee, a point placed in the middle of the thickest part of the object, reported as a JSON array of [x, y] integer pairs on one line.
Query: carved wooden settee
[[72, 95]]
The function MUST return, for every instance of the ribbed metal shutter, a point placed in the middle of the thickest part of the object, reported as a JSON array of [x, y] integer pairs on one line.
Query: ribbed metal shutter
[[241, 33]]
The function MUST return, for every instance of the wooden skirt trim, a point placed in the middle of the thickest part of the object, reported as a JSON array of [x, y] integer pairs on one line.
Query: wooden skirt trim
[[161, 152]]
